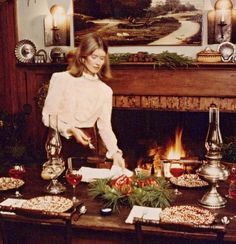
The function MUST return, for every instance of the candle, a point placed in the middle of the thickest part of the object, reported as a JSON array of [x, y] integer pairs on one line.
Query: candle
[[54, 21], [222, 16]]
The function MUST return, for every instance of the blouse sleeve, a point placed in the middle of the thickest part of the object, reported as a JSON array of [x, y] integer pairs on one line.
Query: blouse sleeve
[[105, 127], [52, 103]]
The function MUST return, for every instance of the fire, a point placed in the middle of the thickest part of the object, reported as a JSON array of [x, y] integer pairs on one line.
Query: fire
[[176, 150]]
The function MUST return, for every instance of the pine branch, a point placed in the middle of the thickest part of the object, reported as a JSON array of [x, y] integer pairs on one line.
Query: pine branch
[[146, 191]]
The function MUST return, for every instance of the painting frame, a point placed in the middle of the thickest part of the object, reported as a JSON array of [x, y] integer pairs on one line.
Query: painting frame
[[152, 27]]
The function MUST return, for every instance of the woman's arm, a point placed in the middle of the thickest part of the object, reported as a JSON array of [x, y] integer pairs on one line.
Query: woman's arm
[[107, 134]]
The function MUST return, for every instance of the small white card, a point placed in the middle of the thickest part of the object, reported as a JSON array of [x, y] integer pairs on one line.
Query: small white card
[[146, 213], [12, 202]]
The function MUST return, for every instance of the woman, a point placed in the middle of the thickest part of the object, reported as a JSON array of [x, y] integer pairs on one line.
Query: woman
[[81, 99]]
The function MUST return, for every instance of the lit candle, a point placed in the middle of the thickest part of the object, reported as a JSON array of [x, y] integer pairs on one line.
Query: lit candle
[[222, 16], [54, 21]]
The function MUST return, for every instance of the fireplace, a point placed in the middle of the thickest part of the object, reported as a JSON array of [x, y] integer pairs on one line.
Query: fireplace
[[139, 130], [150, 103]]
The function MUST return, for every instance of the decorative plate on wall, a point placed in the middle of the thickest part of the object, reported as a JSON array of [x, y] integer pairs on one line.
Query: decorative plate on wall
[[25, 51]]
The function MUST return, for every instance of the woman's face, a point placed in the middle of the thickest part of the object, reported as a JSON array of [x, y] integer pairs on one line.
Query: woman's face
[[95, 61]]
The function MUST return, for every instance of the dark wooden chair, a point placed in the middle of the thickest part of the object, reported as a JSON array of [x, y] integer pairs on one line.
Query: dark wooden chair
[[139, 223], [33, 227]]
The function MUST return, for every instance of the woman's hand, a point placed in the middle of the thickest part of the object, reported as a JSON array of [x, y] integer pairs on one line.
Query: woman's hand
[[80, 136], [118, 160]]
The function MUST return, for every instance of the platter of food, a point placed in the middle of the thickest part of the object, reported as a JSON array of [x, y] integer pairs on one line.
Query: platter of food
[[186, 215], [48, 203], [8, 183], [189, 181]]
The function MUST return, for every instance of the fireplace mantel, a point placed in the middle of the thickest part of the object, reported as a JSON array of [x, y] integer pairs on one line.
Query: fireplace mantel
[[145, 86]]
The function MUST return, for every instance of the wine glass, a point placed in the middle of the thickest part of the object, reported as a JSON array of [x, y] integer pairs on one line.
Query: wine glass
[[73, 177], [176, 169], [232, 183], [17, 171]]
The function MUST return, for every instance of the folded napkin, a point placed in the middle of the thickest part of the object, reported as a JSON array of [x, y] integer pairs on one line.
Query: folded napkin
[[12, 202], [90, 174], [146, 213]]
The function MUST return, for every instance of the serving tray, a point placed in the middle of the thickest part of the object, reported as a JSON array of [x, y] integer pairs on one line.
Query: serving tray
[[8, 183], [189, 181], [48, 203]]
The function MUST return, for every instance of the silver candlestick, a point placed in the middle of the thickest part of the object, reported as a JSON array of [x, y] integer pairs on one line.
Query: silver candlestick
[[212, 170]]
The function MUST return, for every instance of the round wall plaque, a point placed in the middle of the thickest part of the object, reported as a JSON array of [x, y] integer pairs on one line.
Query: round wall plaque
[[25, 51]]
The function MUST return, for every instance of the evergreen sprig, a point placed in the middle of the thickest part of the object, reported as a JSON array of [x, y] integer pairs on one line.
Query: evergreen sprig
[[153, 195], [173, 60], [119, 57]]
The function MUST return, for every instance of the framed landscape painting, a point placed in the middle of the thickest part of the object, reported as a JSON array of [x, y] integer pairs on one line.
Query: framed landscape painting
[[140, 22]]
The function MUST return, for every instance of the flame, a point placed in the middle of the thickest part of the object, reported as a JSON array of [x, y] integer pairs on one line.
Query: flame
[[176, 150]]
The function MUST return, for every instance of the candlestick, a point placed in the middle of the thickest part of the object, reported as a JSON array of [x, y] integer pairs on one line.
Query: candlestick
[[222, 24]]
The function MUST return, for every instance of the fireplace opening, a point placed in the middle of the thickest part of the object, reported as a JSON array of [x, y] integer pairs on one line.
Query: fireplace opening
[[138, 131]]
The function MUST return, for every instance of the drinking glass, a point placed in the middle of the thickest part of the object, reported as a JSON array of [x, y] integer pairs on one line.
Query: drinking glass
[[17, 172], [54, 169], [176, 169], [232, 183], [73, 177]]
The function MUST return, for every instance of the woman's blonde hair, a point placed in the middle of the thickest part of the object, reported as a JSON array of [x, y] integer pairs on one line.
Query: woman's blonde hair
[[88, 44]]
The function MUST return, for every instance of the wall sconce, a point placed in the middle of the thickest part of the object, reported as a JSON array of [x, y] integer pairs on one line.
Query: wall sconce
[[57, 27], [222, 22]]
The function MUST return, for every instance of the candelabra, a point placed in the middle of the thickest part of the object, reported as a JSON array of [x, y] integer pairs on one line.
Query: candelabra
[[212, 170]]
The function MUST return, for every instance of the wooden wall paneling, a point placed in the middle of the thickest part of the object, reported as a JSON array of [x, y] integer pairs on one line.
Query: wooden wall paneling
[[31, 78], [9, 38], [2, 66], [38, 129]]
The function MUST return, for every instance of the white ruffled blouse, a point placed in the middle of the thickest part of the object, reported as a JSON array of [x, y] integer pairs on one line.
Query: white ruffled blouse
[[81, 102]]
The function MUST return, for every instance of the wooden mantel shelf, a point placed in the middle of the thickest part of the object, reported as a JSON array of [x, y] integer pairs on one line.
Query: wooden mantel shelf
[[202, 80], [147, 64], [148, 86]]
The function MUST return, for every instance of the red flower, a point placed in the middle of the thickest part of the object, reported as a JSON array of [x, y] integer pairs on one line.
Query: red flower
[[121, 180], [126, 189]]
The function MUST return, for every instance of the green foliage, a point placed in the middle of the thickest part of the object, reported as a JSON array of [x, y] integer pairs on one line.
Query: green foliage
[[173, 60], [229, 150], [119, 57], [152, 195], [14, 146], [168, 59]]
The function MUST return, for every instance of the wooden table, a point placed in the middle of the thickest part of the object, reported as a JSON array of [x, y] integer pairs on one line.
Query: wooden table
[[92, 227]]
